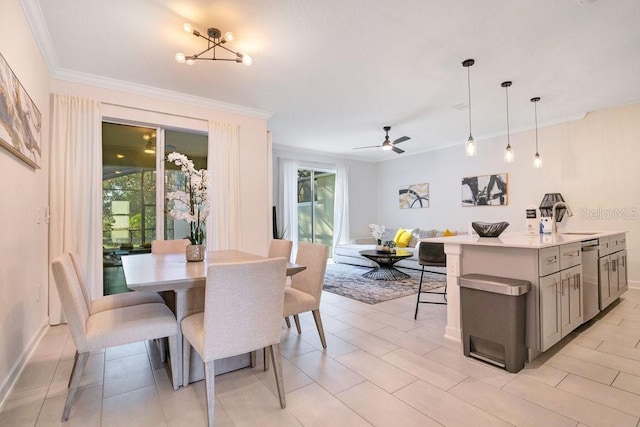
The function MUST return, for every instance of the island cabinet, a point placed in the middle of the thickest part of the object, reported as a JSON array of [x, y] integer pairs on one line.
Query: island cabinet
[[560, 285]]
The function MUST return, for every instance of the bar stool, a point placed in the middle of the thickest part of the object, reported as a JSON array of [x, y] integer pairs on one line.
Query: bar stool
[[431, 254]]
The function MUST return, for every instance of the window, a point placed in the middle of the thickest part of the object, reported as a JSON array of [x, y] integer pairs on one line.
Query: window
[[316, 190]]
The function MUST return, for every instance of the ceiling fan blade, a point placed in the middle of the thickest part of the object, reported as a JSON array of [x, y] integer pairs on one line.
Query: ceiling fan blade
[[368, 146], [397, 150], [401, 139]]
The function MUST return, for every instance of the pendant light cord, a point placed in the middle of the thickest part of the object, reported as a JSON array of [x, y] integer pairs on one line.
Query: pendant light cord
[[507, 92], [469, 89], [535, 109]]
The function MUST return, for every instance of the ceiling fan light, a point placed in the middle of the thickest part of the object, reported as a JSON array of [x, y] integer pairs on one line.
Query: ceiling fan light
[[386, 146]]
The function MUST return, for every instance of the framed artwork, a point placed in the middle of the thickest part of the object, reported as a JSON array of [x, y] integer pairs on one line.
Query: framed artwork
[[414, 196], [485, 190], [20, 119]]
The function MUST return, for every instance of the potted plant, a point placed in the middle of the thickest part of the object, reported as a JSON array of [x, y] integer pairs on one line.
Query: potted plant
[[191, 204]]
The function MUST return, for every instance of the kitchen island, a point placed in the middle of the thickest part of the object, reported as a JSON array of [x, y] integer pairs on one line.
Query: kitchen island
[[552, 263]]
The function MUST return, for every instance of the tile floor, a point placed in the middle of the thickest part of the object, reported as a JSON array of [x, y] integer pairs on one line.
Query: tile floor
[[381, 368]]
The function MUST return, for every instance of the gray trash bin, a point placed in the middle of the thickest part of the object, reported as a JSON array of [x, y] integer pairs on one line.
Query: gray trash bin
[[493, 311]]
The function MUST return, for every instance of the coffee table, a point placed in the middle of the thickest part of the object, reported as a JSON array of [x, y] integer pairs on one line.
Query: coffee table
[[385, 261]]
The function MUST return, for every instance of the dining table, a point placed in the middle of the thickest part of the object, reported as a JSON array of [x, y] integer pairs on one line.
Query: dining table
[[172, 272]]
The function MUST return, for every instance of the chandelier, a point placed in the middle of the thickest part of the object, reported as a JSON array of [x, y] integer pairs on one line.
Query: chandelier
[[214, 39]]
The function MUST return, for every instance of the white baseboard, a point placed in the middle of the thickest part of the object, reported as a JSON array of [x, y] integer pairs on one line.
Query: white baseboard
[[635, 284], [9, 383]]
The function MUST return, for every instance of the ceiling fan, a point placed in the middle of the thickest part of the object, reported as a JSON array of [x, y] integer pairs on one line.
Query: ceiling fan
[[386, 144]]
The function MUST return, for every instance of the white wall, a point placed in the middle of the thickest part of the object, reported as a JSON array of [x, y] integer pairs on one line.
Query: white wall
[[593, 162], [23, 191], [363, 199]]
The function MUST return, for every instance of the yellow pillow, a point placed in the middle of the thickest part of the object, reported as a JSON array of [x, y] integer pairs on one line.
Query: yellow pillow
[[447, 233], [396, 238], [404, 239]]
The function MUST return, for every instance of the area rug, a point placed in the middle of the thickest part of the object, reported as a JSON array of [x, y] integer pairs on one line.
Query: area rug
[[347, 280]]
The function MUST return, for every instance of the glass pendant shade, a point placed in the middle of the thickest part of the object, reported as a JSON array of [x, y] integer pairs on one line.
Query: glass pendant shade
[[470, 147], [508, 154], [537, 161]]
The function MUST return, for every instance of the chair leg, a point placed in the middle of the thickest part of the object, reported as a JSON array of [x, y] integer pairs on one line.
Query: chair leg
[[76, 376], [288, 322], [209, 379], [316, 317], [75, 361], [296, 319], [265, 357], [174, 357], [162, 348], [186, 361], [415, 316], [276, 358]]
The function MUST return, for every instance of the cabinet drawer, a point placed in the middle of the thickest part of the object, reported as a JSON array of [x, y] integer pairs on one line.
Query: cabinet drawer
[[617, 243], [604, 247], [549, 260], [570, 255]]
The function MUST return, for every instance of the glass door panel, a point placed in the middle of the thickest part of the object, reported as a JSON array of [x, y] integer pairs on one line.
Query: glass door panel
[[315, 206]]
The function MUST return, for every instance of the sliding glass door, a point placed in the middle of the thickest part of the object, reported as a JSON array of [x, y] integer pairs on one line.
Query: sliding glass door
[[135, 181], [316, 190]]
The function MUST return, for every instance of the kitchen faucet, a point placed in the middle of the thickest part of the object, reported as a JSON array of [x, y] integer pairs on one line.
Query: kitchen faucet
[[556, 205]]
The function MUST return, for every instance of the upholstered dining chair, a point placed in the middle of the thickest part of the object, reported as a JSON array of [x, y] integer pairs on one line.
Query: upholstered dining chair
[[108, 328], [431, 254], [280, 248], [242, 313], [306, 286], [110, 302]]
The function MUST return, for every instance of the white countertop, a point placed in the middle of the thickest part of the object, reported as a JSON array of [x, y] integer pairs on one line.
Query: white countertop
[[523, 240]]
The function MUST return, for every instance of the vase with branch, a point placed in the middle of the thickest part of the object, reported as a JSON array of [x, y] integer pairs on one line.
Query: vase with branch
[[191, 204]]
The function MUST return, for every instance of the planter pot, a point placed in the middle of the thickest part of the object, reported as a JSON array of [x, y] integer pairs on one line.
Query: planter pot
[[195, 252]]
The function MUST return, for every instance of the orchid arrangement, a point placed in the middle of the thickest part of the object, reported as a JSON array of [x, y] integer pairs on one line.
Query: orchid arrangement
[[190, 205], [377, 231]]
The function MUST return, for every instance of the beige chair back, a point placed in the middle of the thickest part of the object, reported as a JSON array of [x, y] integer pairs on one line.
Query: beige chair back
[[73, 301], [161, 247], [243, 307], [83, 284], [279, 248], [314, 257]]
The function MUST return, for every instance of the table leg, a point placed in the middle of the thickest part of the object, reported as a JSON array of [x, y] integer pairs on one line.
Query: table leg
[[386, 272], [181, 312]]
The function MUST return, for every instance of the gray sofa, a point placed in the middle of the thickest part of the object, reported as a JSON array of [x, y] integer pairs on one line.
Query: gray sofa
[[350, 253]]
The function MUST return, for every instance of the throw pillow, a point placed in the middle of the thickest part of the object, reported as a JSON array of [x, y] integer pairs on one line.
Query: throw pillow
[[396, 238], [404, 239], [447, 233]]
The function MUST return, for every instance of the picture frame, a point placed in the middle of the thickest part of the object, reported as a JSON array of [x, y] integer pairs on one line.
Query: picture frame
[[20, 119], [414, 196], [485, 190]]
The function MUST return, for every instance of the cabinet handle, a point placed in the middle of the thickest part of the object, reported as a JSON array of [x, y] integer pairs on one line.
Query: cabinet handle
[[572, 254], [622, 260], [578, 280], [552, 259], [614, 265], [562, 287], [559, 287]]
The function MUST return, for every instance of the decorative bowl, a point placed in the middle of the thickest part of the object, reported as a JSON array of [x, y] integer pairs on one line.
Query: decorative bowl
[[489, 229]]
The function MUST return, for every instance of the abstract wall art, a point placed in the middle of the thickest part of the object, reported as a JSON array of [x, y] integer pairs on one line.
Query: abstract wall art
[[20, 119], [414, 196], [485, 190]]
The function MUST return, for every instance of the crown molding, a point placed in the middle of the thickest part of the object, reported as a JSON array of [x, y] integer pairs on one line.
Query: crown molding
[[37, 23], [154, 92]]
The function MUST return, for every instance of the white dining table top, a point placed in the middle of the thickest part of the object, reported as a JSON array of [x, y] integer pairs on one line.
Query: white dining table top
[[153, 272]]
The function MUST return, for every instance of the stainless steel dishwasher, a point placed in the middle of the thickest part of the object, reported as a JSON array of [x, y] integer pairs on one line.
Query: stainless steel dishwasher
[[590, 288]]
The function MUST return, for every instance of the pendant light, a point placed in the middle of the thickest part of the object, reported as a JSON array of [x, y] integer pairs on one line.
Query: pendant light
[[470, 146], [537, 161], [508, 152]]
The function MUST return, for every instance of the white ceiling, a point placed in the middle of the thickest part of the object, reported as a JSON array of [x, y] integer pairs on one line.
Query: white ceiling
[[334, 72]]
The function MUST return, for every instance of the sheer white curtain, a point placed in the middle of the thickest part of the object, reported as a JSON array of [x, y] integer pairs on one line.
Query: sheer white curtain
[[76, 191], [341, 206], [288, 198], [223, 224]]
